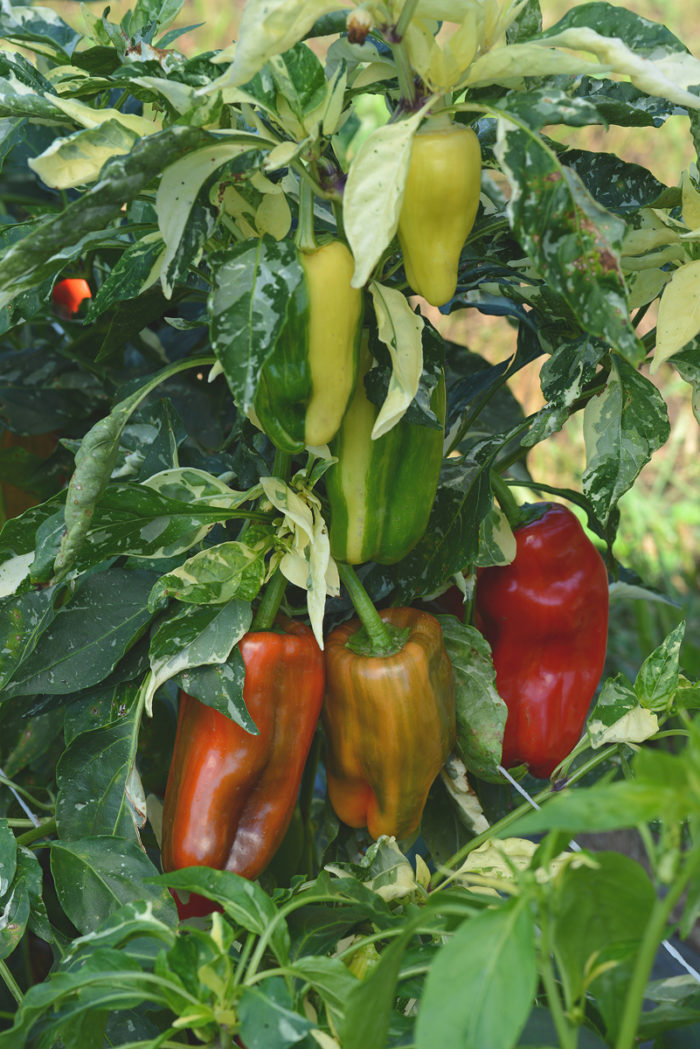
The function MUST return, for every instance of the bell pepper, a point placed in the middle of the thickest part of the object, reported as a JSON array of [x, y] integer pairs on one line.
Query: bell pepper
[[16, 500], [306, 384], [230, 794], [381, 492], [545, 616], [389, 724], [439, 206]]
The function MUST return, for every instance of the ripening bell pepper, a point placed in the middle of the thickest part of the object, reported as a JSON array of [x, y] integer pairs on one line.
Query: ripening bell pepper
[[381, 492], [306, 384], [439, 206], [545, 616], [67, 295], [230, 794], [389, 724]]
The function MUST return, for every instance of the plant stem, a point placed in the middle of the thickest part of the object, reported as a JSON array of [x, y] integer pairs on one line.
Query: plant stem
[[568, 1036], [653, 935], [270, 602], [380, 638], [10, 982], [506, 499], [42, 831], [305, 239], [407, 13]]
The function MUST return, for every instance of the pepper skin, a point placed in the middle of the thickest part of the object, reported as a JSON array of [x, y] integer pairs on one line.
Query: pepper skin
[[16, 500], [389, 724], [381, 492], [546, 619], [68, 293], [230, 795], [439, 206], [306, 384]]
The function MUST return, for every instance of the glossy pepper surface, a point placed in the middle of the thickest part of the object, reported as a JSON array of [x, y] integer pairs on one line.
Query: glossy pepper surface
[[546, 619], [67, 295], [439, 206], [306, 384], [230, 794], [389, 724], [381, 492]]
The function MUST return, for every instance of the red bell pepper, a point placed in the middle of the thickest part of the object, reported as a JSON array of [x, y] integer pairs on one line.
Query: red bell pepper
[[546, 619], [68, 293], [231, 794]]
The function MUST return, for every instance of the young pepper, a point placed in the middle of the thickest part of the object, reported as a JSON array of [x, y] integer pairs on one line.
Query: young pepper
[[381, 492], [306, 384], [545, 616], [230, 795], [439, 206], [389, 724]]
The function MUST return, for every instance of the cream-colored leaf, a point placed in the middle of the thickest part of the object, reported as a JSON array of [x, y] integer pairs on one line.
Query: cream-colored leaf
[[400, 329], [282, 155], [89, 116], [454, 777], [635, 726], [508, 64], [269, 27], [295, 509], [374, 191], [177, 192], [180, 96], [372, 74], [646, 286], [690, 203], [679, 313], [668, 77], [78, 159], [273, 216], [13, 572], [334, 102]]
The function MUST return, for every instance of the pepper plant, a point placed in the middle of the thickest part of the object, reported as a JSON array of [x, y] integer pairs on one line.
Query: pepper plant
[[244, 422]]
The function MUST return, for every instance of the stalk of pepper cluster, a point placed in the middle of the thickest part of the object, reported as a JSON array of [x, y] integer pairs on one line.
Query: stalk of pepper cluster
[[545, 616], [389, 718]]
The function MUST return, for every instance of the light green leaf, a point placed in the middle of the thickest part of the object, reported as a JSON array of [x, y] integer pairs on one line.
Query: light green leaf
[[79, 158], [679, 313], [374, 192], [618, 717], [400, 329], [215, 575], [93, 117], [659, 675], [268, 27]]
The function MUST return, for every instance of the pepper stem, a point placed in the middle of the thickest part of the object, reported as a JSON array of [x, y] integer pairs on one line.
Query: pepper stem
[[506, 500], [381, 640], [305, 238]]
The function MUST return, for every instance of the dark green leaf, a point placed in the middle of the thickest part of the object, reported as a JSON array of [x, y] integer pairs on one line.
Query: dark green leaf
[[88, 636], [94, 876], [220, 687], [258, 292], [95, 777], [267, 1016], [23, 620]]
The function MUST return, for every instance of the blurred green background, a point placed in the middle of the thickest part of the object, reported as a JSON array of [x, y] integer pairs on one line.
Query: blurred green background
[[660, 526]]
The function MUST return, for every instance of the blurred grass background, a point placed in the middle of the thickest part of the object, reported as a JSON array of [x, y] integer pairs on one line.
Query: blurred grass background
[[660, 518]]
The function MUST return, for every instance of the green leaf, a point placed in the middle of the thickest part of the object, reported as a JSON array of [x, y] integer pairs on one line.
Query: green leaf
[[220, 687], [622, 427], [8, 857], [216, 575], [242, 900], [79, 158], [657, 682], [96, 777], [128, 275], [23, 619], [481, 713], [196, 636], [96, 875], [488, 962], [18, 901], [40, 29], [574, 243], [370, 1004], [88, 636], [258, 292], [596, 910], [267, 1016]]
